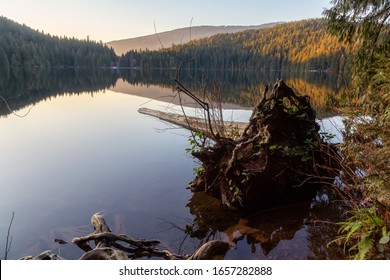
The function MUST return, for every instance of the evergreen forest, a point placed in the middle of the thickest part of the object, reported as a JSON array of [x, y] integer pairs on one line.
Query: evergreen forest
[[23, 49], [296, 46], [352, 40]]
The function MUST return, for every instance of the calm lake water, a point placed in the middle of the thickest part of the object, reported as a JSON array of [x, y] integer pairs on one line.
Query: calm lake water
[[83, 149]]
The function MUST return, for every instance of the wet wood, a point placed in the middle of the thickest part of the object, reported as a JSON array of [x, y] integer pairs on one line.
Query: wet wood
[[46, 255], [105, 239]]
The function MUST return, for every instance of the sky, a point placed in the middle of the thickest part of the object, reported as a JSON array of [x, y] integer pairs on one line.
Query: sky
[[108, 20]]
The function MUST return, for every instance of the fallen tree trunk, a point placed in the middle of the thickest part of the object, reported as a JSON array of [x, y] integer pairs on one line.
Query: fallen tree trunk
[[278, 154]]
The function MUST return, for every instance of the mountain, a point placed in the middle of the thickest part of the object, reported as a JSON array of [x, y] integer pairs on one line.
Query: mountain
[[177, 36]]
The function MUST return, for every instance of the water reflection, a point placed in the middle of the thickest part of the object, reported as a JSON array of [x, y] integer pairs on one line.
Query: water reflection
[[29, 88], [76, 155], [300, 230], [241, 88]]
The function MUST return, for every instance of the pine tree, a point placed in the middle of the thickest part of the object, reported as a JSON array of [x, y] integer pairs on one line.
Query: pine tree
[[4, 68], [365, 22]]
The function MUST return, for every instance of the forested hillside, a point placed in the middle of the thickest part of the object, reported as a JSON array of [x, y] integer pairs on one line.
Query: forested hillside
[[303, 45], [23, 47], [177, 36]]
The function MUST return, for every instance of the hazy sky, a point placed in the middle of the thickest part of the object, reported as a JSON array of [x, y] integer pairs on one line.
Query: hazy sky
[[108, 20]]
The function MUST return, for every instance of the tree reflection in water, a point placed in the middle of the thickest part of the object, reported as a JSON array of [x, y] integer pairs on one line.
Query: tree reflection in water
[[299, 230]]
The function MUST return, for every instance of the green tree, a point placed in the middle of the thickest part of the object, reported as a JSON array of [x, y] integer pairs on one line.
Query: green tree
[[365, 23], [4, 63], [4, 67], [29, 50]]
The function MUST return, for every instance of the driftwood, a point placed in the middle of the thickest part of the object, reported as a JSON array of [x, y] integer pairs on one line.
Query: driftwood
[[126, 247], [111, 246], [46, 255]]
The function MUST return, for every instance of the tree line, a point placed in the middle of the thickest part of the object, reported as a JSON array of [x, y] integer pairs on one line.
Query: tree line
[[304, 45], [299, 46], [24, 49]]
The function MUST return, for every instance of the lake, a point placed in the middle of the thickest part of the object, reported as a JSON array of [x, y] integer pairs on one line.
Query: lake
[[78, 146]]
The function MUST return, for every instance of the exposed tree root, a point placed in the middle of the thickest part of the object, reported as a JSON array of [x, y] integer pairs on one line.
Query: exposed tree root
[[279, 148]]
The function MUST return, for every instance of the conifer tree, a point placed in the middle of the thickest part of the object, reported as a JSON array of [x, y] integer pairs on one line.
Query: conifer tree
[[365, 22]]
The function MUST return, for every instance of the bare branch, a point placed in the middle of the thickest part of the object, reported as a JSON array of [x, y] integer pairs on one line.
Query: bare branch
[[12, 111], [9, 238], [203, 104], [191, 28], [155, 32]]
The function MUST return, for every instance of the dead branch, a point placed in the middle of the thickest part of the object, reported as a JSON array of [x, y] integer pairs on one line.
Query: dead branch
[[12, 111], [204, 105], [158, 37], [9, 238]]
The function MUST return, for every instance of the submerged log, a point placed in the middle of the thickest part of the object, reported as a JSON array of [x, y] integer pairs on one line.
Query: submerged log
[[278, 154], [192, 123]]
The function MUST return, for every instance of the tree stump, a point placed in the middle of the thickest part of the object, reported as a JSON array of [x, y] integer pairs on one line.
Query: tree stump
[[279, 153]]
